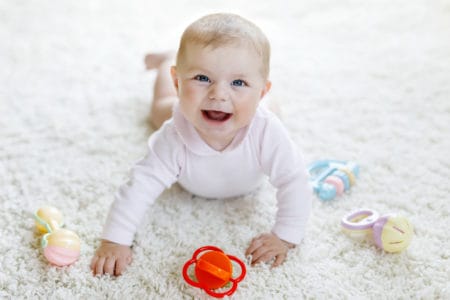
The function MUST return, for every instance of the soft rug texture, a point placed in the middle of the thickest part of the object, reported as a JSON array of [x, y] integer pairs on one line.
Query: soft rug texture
[[367, 81]]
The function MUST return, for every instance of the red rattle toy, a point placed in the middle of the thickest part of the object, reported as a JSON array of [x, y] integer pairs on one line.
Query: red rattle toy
[[213, 270]]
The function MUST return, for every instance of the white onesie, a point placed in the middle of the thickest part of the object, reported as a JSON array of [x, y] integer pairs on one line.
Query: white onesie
[[176, 153]]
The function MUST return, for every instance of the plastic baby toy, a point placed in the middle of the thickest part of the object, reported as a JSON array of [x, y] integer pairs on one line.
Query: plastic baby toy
[[213, 270], [61, 246], [331, 178], [391, 233]]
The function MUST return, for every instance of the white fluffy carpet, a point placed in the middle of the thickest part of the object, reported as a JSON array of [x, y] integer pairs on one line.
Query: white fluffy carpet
[[362, 80]]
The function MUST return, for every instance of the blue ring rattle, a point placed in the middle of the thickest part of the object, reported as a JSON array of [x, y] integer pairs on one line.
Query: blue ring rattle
[[331, 178]]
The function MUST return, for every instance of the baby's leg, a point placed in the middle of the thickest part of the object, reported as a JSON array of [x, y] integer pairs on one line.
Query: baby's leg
[[164, 93]]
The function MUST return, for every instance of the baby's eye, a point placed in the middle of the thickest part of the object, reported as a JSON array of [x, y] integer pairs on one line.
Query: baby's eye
[[238, 82], [202, 78]]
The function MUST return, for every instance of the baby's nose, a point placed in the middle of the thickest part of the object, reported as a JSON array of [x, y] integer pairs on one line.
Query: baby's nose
[[218, 91]]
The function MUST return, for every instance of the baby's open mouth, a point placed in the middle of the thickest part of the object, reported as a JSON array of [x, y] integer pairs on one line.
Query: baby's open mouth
[[215, 115]]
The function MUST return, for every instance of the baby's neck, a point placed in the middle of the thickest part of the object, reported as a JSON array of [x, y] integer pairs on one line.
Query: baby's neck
[[217, 143]]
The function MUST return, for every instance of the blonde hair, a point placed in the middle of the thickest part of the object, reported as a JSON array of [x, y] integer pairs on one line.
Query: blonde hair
[[221, 29]]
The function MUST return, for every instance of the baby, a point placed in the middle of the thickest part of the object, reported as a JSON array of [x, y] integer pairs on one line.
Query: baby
[[214, 139]]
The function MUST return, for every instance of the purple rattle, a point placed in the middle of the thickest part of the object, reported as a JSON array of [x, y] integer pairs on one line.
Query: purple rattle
[[391, 233]]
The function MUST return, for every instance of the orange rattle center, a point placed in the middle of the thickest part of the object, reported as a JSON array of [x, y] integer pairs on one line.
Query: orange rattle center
[[213, 269]]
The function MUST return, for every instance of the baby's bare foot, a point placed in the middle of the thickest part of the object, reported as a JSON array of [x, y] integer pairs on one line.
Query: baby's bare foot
[[154, 60]]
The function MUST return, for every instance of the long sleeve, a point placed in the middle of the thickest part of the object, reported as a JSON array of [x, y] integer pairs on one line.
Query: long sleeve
[[157, 171], [284, 165]]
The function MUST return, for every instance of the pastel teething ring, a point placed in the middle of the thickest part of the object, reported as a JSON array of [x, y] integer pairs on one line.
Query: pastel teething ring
[[331, 178], [61, 246], [213, 270], [360, 220], [390, 232]]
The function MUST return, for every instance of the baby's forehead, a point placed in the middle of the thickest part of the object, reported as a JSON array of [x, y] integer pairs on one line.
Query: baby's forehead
[[221, 50], [224, 53], [230, 44]]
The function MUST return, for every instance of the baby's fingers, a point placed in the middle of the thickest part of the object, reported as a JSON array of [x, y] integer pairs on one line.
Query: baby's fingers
[[109, 266], [93, 263], [254, 245], [263, 255], [279, 260], [98, 267], [121, 265]]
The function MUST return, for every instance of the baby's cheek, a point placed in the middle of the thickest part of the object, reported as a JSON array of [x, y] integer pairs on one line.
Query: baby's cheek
[[246, 113], [190, 93]]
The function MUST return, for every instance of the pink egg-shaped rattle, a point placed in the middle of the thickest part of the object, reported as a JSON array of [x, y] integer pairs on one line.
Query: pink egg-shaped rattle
[[61, 246]]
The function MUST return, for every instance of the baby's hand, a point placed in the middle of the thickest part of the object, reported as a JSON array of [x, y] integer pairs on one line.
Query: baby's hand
[[266, 247], [111, 258]]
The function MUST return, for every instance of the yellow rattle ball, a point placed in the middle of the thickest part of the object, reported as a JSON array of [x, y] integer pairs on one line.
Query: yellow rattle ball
[[392, 233]]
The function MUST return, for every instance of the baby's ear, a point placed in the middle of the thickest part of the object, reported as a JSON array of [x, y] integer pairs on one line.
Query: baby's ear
[[266, 88], [173, 73]]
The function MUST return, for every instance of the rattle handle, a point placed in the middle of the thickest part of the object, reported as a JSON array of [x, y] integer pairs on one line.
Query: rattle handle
[[53, 225], [243, 269], [185, 273], [360, 220]]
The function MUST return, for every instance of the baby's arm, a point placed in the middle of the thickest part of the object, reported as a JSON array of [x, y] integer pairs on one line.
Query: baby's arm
[[111, 258], [156, 171], [266, 247], [284, 165]]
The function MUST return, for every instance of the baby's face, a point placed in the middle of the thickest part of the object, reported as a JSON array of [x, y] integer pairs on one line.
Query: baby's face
[[220, 89]]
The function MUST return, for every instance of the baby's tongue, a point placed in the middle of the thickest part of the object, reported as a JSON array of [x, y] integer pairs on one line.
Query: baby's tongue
[[216, 115]]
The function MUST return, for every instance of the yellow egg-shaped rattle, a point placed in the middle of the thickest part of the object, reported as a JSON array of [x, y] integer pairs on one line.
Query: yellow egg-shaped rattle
[[392, 233], [61, 247], [48, 219]]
